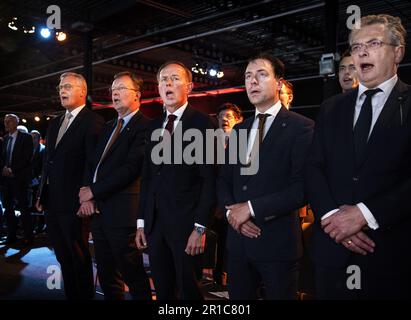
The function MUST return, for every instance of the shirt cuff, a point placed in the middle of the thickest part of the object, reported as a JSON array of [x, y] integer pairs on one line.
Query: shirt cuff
[[227, 213], [251, 208], [329, 214], [199, 225], [371, 221], [140, 223]]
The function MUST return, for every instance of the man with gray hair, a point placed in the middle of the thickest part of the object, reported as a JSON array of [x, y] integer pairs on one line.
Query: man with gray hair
[[16, 172], [358, 174], [70, 143]]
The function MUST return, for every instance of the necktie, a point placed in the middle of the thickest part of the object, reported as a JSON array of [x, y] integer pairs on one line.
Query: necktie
[[170, 123], [113, 139], [363, 125], [262, 117], [9, 151], [63, 127]]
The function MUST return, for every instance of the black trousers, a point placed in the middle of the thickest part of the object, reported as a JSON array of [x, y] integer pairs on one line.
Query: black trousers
[[15, 192], [280, 279], [119, 261], [374, 282], [173, 270], [68, 236]]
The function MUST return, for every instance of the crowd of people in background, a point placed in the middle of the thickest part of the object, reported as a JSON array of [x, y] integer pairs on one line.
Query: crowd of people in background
[[349, 170]]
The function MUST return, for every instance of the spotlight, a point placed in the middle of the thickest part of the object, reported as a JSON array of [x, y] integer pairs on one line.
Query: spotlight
[[45, 33], [61, 36], [48, 118], [195, 69], [220, 74], [37, 118], [212, 72], [24, 120]]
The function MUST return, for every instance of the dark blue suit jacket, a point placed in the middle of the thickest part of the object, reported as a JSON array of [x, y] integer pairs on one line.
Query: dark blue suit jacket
[[275, 191], [382, 181]]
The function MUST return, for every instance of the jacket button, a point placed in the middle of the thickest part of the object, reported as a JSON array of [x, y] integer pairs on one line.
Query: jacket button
[[244, 188]]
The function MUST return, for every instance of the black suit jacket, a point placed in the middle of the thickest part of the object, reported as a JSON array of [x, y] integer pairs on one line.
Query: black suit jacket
[[382, 181], [275, 191], [186, 191], [64, 165], [21, 157], [117, 187], [37, 160]]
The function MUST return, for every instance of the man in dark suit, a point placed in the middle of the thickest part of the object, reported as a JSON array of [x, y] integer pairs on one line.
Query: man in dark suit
[[177, 197], [264, 240], [16, 172], [70, 142], [114, 185], [358, 174]]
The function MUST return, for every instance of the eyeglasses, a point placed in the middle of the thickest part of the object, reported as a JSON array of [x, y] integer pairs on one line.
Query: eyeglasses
[[370, 45], [66, 86], [111, 90]]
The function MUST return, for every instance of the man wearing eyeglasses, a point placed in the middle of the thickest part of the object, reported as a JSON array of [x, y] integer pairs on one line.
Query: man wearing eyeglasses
[[358, 174], [112, 193], [70, 142], [177, 197], [347, 74]]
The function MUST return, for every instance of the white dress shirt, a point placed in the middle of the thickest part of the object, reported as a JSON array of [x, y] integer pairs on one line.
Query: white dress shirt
[[272, 111], [74, 114]]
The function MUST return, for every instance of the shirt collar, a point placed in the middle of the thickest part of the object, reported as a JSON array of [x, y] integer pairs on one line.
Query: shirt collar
[[273, 110], [386, 86], [127, 118], [179, 112], [76, 111]]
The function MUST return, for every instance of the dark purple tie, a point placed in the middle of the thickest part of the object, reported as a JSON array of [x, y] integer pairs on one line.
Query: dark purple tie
[[170, 123]]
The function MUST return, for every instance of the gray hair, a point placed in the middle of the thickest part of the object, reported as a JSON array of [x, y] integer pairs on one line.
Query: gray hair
[[395, 29], [78, 76]]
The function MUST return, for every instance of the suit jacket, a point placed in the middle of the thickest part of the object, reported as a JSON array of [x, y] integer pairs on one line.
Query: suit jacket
[[117, 187], [183, 194], [275, 191], [64, 165], [37, 163], [21, 156], [382, 181]]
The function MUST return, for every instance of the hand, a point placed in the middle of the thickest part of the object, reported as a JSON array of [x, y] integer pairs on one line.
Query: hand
[[249, 229], [85, 194], [86, 209], [7, 172], [347, 221], [239, 213], [195, 243], [359, 243], [141, 241], [38, 205]]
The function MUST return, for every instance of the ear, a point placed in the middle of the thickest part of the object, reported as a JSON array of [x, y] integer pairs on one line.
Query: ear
[[279, 84], [399, 53], [138, 95], [291, 97], [190, 87]]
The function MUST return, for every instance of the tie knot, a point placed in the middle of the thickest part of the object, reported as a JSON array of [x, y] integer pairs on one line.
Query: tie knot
[[371, 92], [120, 122], [263, 116], [172, 117], [69, 115]]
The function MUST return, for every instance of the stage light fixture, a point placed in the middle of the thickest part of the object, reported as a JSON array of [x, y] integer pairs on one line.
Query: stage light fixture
[[220, 74], [61, 36], [45, 33], [48, 118], [24, 120], [12, 24], [212, 72], [37, 118]]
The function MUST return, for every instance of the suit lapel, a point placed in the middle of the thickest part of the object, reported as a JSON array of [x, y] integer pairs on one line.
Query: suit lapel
[[389, 112], [72, 128], [129, 127]]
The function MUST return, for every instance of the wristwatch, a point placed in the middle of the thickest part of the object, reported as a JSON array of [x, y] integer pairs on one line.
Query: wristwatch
[[200, 230]]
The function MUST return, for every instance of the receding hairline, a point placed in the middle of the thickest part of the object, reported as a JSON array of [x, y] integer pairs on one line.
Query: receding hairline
[[79, 77]]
